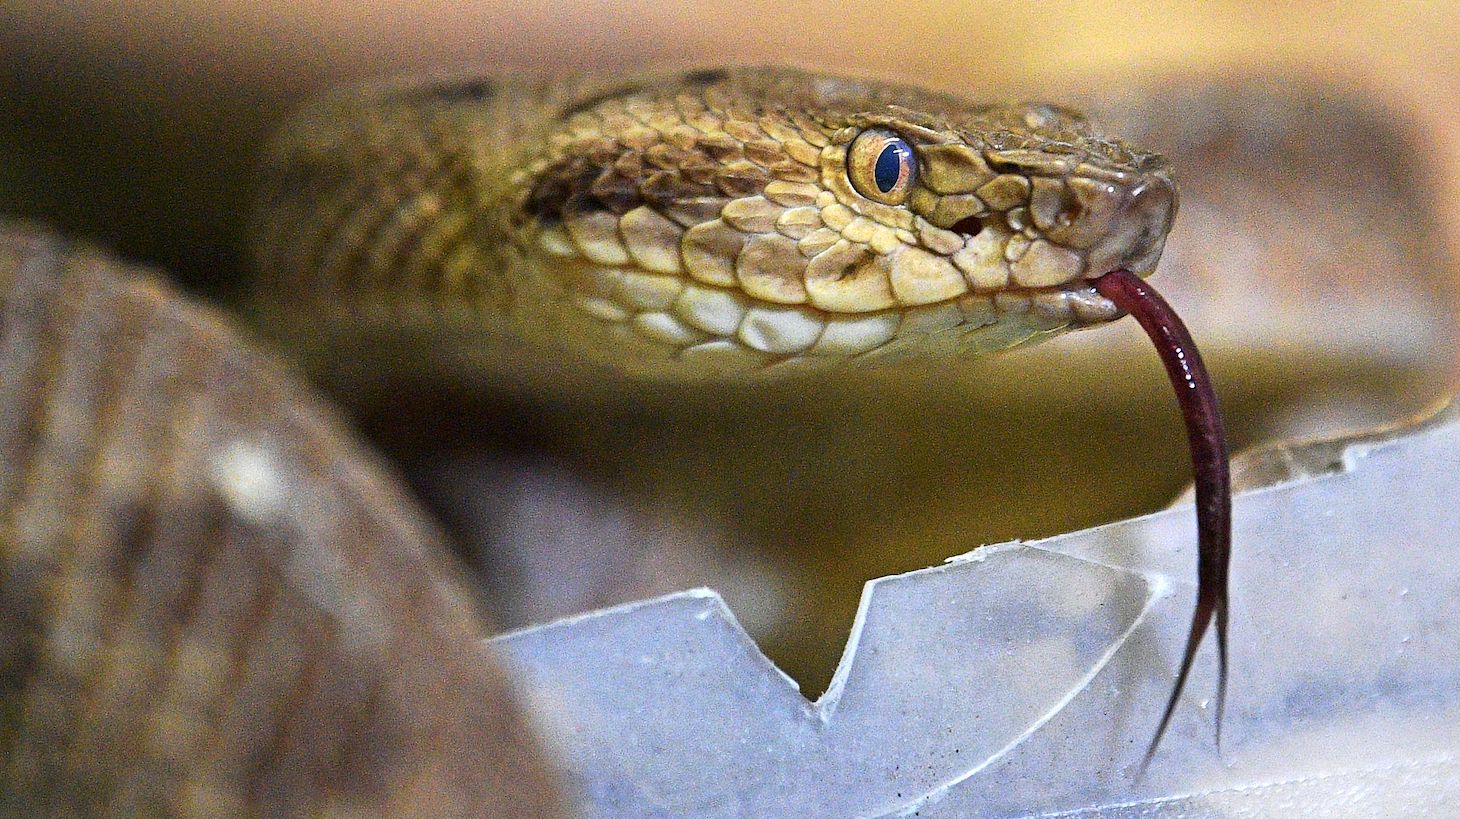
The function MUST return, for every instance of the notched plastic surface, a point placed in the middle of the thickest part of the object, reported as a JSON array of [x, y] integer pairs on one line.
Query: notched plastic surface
[[1025, 679]]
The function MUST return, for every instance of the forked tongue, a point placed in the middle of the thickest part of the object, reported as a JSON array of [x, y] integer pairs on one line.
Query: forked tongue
[[1208, 442]]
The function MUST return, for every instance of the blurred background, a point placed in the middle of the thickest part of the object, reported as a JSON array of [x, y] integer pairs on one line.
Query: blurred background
[[1317, 147]]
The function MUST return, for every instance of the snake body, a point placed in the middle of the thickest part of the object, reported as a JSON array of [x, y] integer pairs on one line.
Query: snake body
[[700, 222]]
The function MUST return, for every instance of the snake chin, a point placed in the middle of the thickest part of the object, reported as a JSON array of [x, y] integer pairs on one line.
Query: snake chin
[[1076, 305]]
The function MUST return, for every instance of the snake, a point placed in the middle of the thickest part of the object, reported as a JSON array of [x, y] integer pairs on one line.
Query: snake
[[702, 225], [721, 223]]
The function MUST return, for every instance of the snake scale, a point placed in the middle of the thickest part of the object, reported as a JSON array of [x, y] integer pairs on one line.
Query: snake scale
[[705, 224]]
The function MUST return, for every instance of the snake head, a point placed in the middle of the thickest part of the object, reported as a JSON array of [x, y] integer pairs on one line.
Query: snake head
[[781, 216], [1023, 202]]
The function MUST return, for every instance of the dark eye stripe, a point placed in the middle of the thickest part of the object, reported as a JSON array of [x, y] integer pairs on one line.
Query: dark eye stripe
[[889, 167]]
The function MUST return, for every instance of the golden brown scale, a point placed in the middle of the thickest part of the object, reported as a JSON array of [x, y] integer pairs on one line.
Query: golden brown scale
[[701, 222]]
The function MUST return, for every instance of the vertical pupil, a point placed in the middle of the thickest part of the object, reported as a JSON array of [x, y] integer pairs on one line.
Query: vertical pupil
[[889, 166]]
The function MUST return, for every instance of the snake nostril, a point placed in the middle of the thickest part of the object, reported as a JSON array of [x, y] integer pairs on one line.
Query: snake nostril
[[968, 226]]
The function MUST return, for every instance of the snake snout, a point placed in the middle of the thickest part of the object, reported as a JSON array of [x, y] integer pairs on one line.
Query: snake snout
[[1137, 235]]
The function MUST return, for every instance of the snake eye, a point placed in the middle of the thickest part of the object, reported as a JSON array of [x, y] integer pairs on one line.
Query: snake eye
[[881, 166]]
